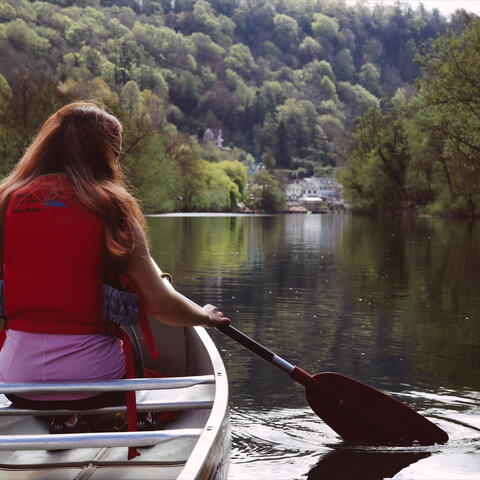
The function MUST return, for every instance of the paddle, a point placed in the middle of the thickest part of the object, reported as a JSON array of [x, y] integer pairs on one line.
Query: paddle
[[357, 412]]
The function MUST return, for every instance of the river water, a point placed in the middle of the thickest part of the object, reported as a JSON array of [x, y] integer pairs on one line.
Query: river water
[[392, 302]]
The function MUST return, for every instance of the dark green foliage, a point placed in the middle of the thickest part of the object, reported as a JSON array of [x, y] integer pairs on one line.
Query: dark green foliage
[[166, 47], [424, 152]]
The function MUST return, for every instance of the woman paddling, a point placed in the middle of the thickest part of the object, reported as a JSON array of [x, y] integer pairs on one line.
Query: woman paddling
[[68, 226]]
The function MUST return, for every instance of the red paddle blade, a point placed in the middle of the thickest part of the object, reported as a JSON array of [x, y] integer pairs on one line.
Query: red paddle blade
[[362, 414]]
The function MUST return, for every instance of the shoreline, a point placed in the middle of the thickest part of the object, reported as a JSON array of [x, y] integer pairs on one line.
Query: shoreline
[[348, 212]]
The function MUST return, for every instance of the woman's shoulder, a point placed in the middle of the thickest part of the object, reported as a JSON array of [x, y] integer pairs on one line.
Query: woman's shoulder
[[56, 183]]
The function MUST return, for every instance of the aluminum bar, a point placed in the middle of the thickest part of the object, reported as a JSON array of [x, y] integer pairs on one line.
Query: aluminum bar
[[95, 440], [107, 385]]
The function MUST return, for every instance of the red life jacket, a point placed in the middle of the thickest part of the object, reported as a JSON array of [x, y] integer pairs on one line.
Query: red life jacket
[[54, 269], [54, 263], [54, 260]]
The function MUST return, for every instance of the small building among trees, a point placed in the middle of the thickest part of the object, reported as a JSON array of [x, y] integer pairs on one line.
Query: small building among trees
[[214, 137], [314, 192], [319, 187]]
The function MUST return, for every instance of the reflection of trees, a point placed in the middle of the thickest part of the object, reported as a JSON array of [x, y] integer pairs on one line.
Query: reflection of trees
[[382, 300], [418, 283], [198, 244]]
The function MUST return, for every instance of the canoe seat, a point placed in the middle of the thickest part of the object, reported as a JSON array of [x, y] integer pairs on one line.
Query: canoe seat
[[152, 394]]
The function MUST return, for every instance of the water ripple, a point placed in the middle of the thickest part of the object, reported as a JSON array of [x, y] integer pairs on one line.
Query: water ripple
[[289, 443]]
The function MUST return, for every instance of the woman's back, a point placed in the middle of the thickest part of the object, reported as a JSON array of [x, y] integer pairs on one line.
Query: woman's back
[[54, 263], [54, 259]]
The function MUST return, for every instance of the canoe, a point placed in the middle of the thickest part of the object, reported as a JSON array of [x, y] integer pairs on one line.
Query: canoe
[[193, 446]]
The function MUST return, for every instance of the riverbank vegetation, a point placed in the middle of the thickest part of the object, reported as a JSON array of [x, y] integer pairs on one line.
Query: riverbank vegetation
[[422, 150], [283, 79]]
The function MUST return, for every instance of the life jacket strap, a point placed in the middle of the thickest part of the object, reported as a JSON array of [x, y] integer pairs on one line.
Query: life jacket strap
[[125, 283], [130, 397]]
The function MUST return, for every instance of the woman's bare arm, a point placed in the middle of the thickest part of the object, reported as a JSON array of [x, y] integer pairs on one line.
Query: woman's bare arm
[[160, 299]]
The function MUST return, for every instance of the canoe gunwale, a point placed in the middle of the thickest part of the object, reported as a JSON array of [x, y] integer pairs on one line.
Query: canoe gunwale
[[206, 452]]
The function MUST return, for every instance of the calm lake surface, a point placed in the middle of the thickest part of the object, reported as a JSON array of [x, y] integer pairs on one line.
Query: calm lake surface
[[392, 302]]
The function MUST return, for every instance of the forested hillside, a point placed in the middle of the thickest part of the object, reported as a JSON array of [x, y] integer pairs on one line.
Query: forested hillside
[[284, 79]]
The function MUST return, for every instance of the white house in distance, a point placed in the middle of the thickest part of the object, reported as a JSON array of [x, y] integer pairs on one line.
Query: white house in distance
[[318, 188], [213, 136]]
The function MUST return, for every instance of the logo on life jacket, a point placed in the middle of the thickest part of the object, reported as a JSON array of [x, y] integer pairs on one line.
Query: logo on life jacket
[[50, 200]]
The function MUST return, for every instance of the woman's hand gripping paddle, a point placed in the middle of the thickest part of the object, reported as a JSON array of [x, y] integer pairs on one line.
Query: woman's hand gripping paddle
[[357, 412]]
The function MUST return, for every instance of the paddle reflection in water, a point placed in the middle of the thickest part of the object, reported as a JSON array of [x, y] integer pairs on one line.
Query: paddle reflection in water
[[347, 464]]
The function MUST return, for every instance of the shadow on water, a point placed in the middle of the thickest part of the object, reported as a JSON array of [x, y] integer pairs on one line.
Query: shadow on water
[[348, 464]]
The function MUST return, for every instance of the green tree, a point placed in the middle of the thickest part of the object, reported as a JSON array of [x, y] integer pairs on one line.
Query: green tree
[[297, 133], [285, 31], [376, 176], [219, 192], [240, 60], [344, 67], [154, 108], [369, 77], [219, 27], [325, 26], [7, 12], [131, 98], [357, 98], [310, 49], [23, 38], [238, 174], [5, 94], [206, 50], [92, 60], [449, 92], [264, 192], [156, 176]]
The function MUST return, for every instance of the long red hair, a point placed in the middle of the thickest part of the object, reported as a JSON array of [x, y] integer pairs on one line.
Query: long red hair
[[83, 141]]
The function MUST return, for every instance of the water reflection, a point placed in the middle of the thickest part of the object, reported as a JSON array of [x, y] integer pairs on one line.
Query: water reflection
[[342, 464], [391, 302]]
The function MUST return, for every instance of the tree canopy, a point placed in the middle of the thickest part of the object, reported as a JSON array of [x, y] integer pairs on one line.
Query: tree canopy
[[284, 80]]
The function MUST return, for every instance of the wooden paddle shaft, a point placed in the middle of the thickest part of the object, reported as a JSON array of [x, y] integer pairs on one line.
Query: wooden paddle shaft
[[257, 348]]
